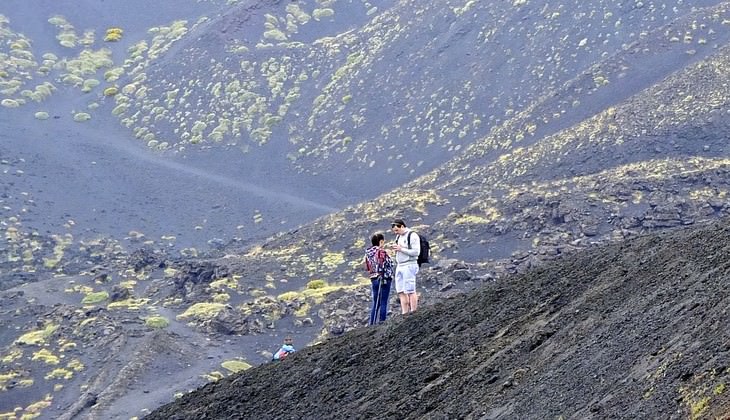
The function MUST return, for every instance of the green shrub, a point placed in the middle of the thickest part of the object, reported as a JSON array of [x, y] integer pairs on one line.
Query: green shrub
[[316, 284], [235, 365], [322, 13], [289, 296], [157, 322], [38, 337], [95, 297], [82, 116], [10, 103], [113, 34], [221, 297], [111, 91], [202, 311]]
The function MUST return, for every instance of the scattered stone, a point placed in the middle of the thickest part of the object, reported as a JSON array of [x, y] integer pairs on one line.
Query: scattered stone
[[447, 286], [119, 293], [461, 275]]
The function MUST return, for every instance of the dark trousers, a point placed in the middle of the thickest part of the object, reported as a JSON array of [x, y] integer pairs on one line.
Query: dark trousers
[[381, 292]]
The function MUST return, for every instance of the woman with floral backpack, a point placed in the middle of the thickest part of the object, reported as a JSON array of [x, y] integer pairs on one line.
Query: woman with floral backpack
[[380, 268]]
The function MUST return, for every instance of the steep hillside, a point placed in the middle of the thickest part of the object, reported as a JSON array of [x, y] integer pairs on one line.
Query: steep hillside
[[629, 330], [509, 133], [232, 100]]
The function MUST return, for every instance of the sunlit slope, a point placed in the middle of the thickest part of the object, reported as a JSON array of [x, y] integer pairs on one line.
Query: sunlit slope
[[596, 122], [541, 100], [76, 50], [656, 160], [333, 102], [397, 87], [56, 61]]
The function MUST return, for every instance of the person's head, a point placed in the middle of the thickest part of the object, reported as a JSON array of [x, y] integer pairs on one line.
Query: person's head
[[398, 226], [288, 340], [378, 239]]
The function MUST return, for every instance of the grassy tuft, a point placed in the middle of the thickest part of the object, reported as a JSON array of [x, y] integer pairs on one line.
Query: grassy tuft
[[289, 296], [95, 297], [221, 297], [228, 282], [235, 365], [131, 303], [111, 91], [89, 85], [12, 356], [316, 284], [113, 34], [37, 338], [45, 356], [82, 116], [5, 377], [10, 103], [157, 322], [75, 365], [275, 34], [113, 74], [60, 373], [322, 13], [719, 389], [698, 408], [202, 311], [34, 410], [214, 376]]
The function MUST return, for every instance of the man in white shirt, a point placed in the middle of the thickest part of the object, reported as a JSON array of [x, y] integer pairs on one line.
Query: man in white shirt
[[407, 246]]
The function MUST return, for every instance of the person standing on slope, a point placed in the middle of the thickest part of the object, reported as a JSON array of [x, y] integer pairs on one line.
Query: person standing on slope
[[407, 246], [379, 266]]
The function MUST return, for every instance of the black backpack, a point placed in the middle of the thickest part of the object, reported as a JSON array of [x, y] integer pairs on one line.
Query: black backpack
[[425, 249]]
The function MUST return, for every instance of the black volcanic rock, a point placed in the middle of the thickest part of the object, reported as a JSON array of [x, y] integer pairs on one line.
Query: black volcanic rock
[[628, 330], [510, 133]]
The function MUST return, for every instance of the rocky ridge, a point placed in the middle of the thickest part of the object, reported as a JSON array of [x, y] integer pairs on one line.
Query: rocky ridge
[[634, 329], [622, 139]]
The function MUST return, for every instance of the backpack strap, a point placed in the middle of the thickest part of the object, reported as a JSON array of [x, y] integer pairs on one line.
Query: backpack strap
[[397, 237]]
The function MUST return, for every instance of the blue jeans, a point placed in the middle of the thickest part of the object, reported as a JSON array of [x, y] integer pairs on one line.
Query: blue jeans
[[381, 292]]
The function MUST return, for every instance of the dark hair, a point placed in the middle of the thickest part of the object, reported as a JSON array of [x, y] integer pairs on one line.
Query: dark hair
[[377, 238], [398, 222]]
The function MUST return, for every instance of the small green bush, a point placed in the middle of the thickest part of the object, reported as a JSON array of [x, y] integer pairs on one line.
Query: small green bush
[[158, 322], [10, 103], [113, 34], [316, 284], [38, 337], [202, 311], [719, 389], [235, 365], [95, 297], [289, 296], [82, 116], [221, 297], [111, 91]]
